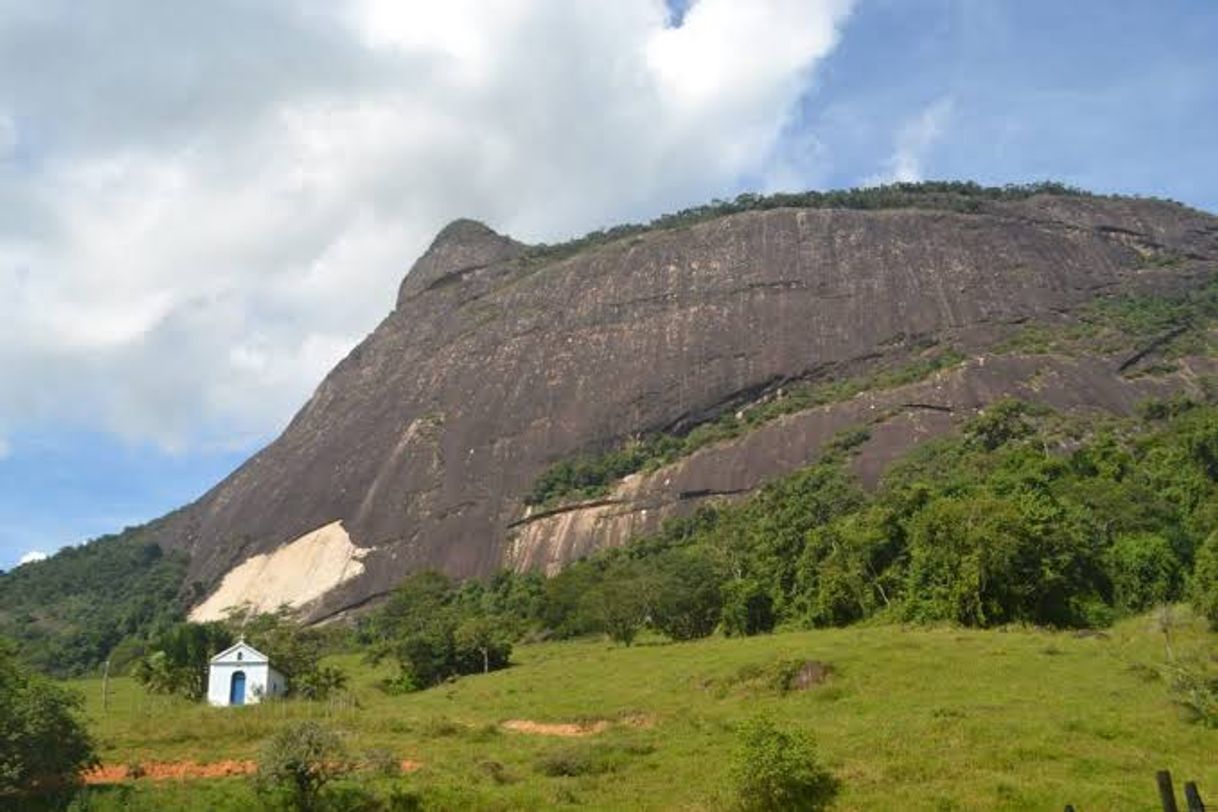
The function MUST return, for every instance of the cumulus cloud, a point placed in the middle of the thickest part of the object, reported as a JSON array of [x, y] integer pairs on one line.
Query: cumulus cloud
[[203, 206], [31, 556], [913, 141]]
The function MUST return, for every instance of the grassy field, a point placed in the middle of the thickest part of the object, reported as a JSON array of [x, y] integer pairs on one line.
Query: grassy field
[[911, 719]]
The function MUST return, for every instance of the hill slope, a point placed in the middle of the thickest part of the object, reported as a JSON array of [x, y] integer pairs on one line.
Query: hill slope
[[910, 719]]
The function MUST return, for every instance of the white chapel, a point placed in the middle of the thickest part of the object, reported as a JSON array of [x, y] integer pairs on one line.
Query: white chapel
[[242, 675]]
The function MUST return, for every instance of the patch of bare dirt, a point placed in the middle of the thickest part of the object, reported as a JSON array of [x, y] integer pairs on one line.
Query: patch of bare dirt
[[183, 770], [564, 729], [812, 672], [167, 770]]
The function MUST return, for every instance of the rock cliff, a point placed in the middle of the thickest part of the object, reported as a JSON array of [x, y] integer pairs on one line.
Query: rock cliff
[[499, 360]]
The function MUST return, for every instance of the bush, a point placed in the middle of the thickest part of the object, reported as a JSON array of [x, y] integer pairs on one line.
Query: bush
[[1194, 687], [43, 742], [297, 763], [580, 759], [1204, 586], [777, 769], [1000, 423], [319, 683]]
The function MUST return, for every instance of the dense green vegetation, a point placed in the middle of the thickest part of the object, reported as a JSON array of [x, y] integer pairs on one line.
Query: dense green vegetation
[[591, 476], [1026, 517], [435, 629], [943, 195], [43, 741], [103, 599]]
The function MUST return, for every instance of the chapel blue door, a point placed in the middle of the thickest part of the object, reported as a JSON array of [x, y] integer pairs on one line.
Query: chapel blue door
[[236, 692]]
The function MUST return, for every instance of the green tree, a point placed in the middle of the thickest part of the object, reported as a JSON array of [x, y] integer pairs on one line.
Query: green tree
[[748, 609], [178, 658], [764, 538], [482, 644], [687, 600], [43, 741], [566, 609], [621, 602], [776, 768]]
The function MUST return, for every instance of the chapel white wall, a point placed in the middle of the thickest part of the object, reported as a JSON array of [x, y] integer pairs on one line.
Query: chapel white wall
[[257, 679]]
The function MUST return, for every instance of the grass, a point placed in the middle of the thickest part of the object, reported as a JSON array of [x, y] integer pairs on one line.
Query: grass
[[911, 718]]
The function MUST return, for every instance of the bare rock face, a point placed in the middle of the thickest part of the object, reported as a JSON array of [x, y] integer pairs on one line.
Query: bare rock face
[[494, 365]]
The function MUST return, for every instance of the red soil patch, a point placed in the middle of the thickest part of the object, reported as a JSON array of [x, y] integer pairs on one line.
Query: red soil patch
[[166, 770], [182, 770], [570, 729]]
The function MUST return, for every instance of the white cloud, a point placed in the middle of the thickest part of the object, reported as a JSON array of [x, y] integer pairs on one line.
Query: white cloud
[[32, 556], [215, 201], [913, 141]]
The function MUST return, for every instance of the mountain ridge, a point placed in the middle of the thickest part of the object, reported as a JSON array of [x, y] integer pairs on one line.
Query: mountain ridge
[[501, 359]]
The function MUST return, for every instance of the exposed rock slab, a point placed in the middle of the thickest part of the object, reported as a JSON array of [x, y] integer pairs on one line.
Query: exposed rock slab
[[424, 439], [294, 575]]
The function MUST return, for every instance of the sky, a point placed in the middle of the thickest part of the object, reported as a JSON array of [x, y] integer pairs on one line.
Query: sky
[[204, 206]]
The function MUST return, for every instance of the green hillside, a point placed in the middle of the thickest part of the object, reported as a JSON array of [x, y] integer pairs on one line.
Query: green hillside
[[70, 612], [927, 718]]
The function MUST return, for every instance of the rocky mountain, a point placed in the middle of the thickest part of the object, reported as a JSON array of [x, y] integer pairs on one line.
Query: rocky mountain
[[499, 360]]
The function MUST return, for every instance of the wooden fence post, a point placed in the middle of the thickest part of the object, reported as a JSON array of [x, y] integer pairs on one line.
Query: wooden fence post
[[1167, 795], [106, 687], [1192, 797]]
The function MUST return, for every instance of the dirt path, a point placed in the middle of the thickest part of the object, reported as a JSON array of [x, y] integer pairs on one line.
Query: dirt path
[[183, 770], [577, 729]]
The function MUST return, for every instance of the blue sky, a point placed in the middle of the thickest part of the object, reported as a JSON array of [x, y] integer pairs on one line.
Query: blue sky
[[203, 207]]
